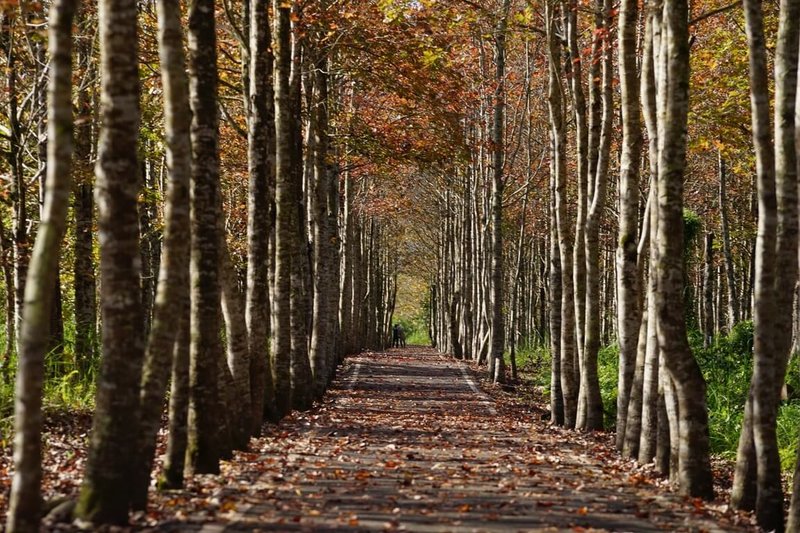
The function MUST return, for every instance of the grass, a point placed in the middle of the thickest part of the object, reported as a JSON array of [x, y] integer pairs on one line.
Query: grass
[[726, 366], [416, 329], [65, 389]]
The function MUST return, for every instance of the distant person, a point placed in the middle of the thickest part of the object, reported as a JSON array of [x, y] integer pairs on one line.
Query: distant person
[[401, 336], [395, 336]]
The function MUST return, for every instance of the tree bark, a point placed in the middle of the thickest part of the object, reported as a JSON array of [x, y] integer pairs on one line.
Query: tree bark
[[325, 211], [203, 444], [776, 256], [498, 182], [238, 352], [25, 500], [590, 383], [672, 75], [284, 231], [105, 493], [730, 273], [708, 291], [261, 161], [569, 386], [629, 313], [175, 457], [173, 277]]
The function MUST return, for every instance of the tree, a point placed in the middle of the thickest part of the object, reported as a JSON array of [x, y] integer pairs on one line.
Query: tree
[[672, 79], [284, 231], [776, 255], [206, 348], [628, 307], [497, 365], [173, 276], [261, 146], [105, 494], [84, 271], [25, 502]]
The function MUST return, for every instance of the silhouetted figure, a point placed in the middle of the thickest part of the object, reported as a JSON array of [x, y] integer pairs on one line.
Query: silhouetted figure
[[398, 336]]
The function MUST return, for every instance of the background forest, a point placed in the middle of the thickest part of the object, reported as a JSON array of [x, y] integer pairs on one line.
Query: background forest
[[598, 196]]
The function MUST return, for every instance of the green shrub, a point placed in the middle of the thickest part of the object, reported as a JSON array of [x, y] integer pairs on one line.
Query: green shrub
[[607, 371], [727, 367]]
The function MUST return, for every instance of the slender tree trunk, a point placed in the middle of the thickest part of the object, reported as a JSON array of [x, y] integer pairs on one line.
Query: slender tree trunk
[[672, 73], [301, 381], [569, 386], [498, 153], [261, 150], [708, 291], [203, 446], [85, 284], [238, 352], [284, 229], [25, 500], [575, 294], [8, 46], [175, 457], [174, 270], [776, 259], [733, 296], [629, 315], [325, 235], [105, 494], [590, 382], [8, 278]]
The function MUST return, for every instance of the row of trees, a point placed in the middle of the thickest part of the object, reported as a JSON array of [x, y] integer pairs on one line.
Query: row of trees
[[589, 130], [544, 198], [234, 342]]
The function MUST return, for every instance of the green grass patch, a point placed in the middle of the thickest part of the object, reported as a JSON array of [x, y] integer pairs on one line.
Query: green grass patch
[[727, 367]]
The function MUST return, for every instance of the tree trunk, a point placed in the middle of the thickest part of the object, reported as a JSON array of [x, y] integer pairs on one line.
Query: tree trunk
[[238, 352], [498, 182], [776, 257], [284, 230], [105, 494], [203, 446], [733, 296], [590, 382], [175, 457], [301, 381], [261, 161], [325, 235], [708, 291], [672, 74], [569, 386], [629, 313], [25, 500], [173, 277]]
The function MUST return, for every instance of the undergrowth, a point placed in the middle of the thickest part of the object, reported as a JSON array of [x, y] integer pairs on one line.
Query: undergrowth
[[66, 389], [726, 365]]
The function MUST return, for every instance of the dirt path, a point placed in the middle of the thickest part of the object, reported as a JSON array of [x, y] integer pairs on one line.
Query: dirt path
[[406, 441]]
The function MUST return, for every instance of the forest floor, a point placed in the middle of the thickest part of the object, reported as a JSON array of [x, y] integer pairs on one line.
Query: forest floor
[[406, 441]]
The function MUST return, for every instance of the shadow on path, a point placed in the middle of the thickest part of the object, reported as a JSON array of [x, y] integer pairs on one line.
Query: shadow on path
[[409, 445]]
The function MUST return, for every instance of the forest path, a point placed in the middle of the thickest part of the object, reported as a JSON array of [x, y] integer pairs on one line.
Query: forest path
[[406, 441]]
